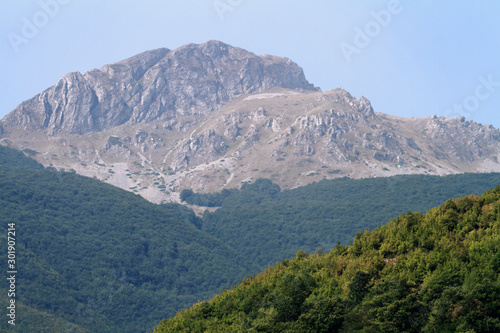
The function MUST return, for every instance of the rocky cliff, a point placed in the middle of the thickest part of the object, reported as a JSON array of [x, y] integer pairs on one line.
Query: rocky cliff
[[155, 85]]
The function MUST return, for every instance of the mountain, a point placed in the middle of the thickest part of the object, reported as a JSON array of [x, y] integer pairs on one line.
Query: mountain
[[95, 258], [211, 116], [433, 272]]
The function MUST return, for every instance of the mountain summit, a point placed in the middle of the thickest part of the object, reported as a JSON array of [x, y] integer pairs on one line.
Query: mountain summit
[[212, 116], [155, 85]]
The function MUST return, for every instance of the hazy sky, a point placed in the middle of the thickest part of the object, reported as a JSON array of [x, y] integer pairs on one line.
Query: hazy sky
[[409, 58]]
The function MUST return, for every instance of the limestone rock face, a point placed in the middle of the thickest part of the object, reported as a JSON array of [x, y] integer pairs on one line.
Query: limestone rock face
[[205, 148], [457, 138], [155, 85]]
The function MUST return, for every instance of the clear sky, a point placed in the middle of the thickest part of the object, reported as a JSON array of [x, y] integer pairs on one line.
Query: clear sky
[[409, 58]]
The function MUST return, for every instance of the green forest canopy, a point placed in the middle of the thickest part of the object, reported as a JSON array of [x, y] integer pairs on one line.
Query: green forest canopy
[[433, 272], [101, 258], [268, 225]]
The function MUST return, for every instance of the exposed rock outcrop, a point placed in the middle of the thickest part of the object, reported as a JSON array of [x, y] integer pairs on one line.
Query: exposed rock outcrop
[[158, 84], [204, 148]]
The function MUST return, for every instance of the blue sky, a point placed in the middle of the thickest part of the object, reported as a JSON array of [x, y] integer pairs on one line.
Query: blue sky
[[409, 58]]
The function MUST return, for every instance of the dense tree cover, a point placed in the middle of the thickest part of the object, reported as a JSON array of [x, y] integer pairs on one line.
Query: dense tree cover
[[267, 225], [102, 258], [33, 320], [12, 158], [433, 272]]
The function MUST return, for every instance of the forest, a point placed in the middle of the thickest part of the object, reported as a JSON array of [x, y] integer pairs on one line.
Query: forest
[[268, 225], [432, 272]]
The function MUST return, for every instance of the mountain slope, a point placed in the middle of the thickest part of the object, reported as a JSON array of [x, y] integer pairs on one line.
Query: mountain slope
[[212, 116], [29, 319], [104, 259], [437, 272]]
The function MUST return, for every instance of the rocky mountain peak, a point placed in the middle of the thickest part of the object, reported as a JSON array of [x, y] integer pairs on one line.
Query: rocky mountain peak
[[211, 116], [160, 84]]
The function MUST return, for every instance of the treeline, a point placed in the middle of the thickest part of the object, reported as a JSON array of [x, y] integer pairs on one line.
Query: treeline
[[433, 272]]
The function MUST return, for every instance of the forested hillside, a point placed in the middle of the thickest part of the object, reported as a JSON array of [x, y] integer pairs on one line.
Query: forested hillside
[[101, 258], [267, 225], [433, 272]]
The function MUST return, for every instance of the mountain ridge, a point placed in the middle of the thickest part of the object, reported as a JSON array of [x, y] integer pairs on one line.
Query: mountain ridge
[[211, 116], [96, 258]]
